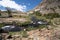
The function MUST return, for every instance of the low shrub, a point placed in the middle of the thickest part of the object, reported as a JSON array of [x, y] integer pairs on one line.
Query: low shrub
[[1, 25], [52, 15]]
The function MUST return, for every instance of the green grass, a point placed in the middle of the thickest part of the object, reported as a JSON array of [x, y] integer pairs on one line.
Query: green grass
[[1, 25], [41, 26], [31, 28], [24, 23], [22, 33]]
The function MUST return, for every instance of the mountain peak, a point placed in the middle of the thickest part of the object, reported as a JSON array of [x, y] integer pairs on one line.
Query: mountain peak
[[46, 6]]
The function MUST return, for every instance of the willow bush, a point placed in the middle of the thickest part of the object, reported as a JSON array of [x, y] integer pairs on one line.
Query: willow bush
[[52, 15]]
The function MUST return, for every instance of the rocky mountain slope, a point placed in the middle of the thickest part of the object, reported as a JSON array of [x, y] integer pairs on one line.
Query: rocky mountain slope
[[48, 6], [45, 34]]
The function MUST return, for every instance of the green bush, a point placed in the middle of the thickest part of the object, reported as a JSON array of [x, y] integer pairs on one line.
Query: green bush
[[24, 33], [24, 23], [37, 13], [41, 26], [1, 25], [30, 28], [52, 15], [56, 21]]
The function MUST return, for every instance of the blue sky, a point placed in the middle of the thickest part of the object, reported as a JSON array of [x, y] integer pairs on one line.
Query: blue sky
[[21, 5]]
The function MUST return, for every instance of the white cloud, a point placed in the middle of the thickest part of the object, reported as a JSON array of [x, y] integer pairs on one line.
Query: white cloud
[[12, 4]]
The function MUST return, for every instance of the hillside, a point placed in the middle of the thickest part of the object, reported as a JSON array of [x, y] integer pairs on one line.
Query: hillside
[[48, 6]]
